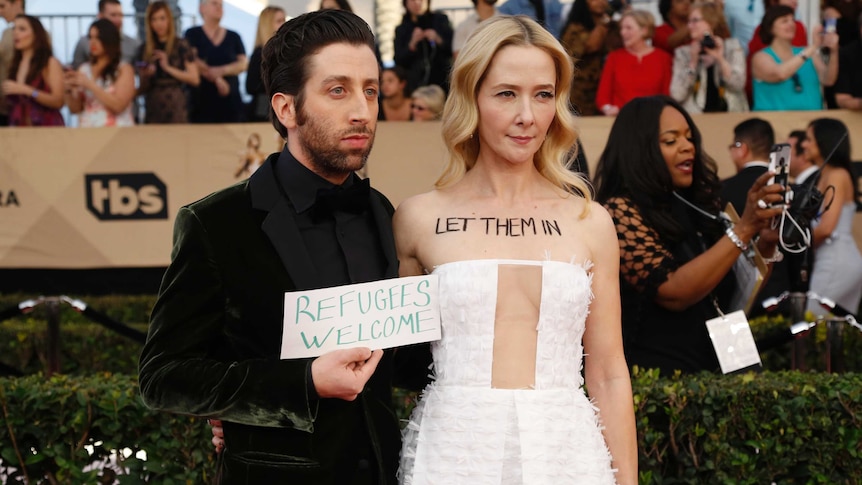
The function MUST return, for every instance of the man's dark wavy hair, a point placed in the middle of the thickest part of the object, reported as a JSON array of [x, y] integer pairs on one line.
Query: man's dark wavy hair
[[632, 166], [285, 57]]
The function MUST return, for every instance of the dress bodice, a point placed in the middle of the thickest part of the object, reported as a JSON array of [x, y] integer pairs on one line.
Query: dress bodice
[[468, 303], [844, 227]]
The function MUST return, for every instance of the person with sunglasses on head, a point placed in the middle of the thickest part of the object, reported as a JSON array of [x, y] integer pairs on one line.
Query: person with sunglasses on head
[[787, 77], [426, 103]]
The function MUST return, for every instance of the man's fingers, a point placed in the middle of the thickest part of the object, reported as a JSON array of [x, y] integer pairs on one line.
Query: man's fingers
[[368, 368]]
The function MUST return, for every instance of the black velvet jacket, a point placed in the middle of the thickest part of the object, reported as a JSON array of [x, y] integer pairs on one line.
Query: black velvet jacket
[[215, 336]]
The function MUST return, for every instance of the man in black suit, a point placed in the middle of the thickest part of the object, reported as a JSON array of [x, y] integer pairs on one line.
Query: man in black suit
[[752, 141], [304, 220]]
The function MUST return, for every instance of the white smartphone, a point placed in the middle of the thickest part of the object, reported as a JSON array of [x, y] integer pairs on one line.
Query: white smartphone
[[779, 164]]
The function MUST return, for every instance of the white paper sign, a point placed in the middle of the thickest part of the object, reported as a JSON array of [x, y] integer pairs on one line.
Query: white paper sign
[[733, 342], [377, 315]]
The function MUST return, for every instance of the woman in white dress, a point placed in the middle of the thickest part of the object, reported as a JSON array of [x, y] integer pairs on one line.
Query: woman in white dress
[[529, 284], [837, 273]]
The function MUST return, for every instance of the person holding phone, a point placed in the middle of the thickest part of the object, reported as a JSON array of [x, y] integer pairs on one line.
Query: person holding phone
[[165, 66], [709, 72], [788, 77], [101, 90], [423, 45]]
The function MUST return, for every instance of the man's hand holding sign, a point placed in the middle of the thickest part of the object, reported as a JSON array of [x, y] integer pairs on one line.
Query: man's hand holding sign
[[341, 325]]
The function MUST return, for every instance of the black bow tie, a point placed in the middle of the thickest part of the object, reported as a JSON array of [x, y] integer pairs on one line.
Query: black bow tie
[[353, 199]]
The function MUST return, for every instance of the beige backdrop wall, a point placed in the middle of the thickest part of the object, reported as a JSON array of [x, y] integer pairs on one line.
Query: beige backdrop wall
[[102, 198]]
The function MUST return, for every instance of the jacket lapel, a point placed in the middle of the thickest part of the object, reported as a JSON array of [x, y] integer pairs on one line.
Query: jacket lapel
[[383, 219], [280, 225]]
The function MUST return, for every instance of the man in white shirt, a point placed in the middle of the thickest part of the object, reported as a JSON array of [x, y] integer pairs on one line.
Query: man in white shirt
[[113, 11], [484, 9], [743, 16]]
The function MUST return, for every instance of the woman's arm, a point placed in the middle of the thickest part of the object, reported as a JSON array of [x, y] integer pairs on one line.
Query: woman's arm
[[684, 74], [124, 89], [604, 94], [606, 372], [827, 72], [406, 239], [733, 65], [764, 67], [190, 75], [53, 75], [839, 179]]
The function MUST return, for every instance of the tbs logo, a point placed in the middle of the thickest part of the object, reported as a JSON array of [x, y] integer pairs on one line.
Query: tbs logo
[[123, 196]]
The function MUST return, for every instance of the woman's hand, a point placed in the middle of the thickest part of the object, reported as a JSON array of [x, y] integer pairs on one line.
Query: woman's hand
[[218, 434], [763, 203], [14, 87], [160, 58], [717, 52]]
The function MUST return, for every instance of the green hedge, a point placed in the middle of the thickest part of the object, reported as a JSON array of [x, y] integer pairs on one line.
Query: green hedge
[[49, 424], [786, 427]]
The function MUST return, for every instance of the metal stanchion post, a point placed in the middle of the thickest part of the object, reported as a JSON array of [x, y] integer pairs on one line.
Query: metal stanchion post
[[798, 301], [835, 345], [53, 309]]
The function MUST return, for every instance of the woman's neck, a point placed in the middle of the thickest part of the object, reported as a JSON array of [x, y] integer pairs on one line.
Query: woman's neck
[[26, 54], [395, 101], [639, 48], [781, 46], [162, 38]]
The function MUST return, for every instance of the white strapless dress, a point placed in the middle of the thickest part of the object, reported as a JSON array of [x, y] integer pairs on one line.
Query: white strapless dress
[[463, 431]]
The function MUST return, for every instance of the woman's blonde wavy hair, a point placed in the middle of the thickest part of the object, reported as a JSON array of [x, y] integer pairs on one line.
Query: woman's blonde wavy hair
[[461, 113]]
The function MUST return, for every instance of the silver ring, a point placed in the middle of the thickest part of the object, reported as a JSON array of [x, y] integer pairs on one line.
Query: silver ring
[[762, 204]]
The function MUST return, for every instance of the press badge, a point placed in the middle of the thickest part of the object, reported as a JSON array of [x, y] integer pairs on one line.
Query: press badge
[[733, 342]]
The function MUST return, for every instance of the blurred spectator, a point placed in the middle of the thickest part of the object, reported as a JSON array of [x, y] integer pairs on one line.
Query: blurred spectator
[[848, 87], [846, 13], [394, 103], [674, 31], [113, 11], [743, 16], [9, 9], [709, 73], [752, 142], [251, 158], [588, 36], [141, 15], [787, 77], [336, 5], [676, 256], [837, 270], [482, 10], [268, 22], [423, 45], [637, 69], [34, 87], [549, 13], [427, 102], [102, 89], [220, 56], [166, 65], [800, 167], [755, 44]]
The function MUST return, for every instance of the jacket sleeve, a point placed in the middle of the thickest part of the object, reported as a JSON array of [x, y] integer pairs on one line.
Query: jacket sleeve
[[735, 56], [604, 95], [403, 56], [180, 370], [680, 85]]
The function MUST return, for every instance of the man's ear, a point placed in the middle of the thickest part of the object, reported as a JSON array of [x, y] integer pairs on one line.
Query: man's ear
[[284, 106]]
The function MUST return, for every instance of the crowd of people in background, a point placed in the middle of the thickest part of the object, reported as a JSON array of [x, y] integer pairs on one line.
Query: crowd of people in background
[[704, 57], [711, 56]]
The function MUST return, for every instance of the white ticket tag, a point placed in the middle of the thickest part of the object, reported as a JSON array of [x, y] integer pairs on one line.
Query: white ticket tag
[[733, 342]]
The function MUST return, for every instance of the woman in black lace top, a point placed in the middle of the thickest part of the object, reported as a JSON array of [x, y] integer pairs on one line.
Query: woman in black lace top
[[674, 259]]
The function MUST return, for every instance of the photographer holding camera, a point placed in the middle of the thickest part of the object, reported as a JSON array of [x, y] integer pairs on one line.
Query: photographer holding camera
[[709, 73]]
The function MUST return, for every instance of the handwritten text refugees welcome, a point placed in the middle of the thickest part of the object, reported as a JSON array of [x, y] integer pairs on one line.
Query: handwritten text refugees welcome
[[378, 315]]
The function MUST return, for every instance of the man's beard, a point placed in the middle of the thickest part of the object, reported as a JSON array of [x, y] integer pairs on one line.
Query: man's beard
[[320, 143]]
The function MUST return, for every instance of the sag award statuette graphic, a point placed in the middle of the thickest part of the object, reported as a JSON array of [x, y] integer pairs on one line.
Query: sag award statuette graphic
[[378, 315]]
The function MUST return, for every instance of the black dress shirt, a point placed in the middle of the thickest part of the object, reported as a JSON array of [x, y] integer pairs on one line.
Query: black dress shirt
[[345, 248]]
